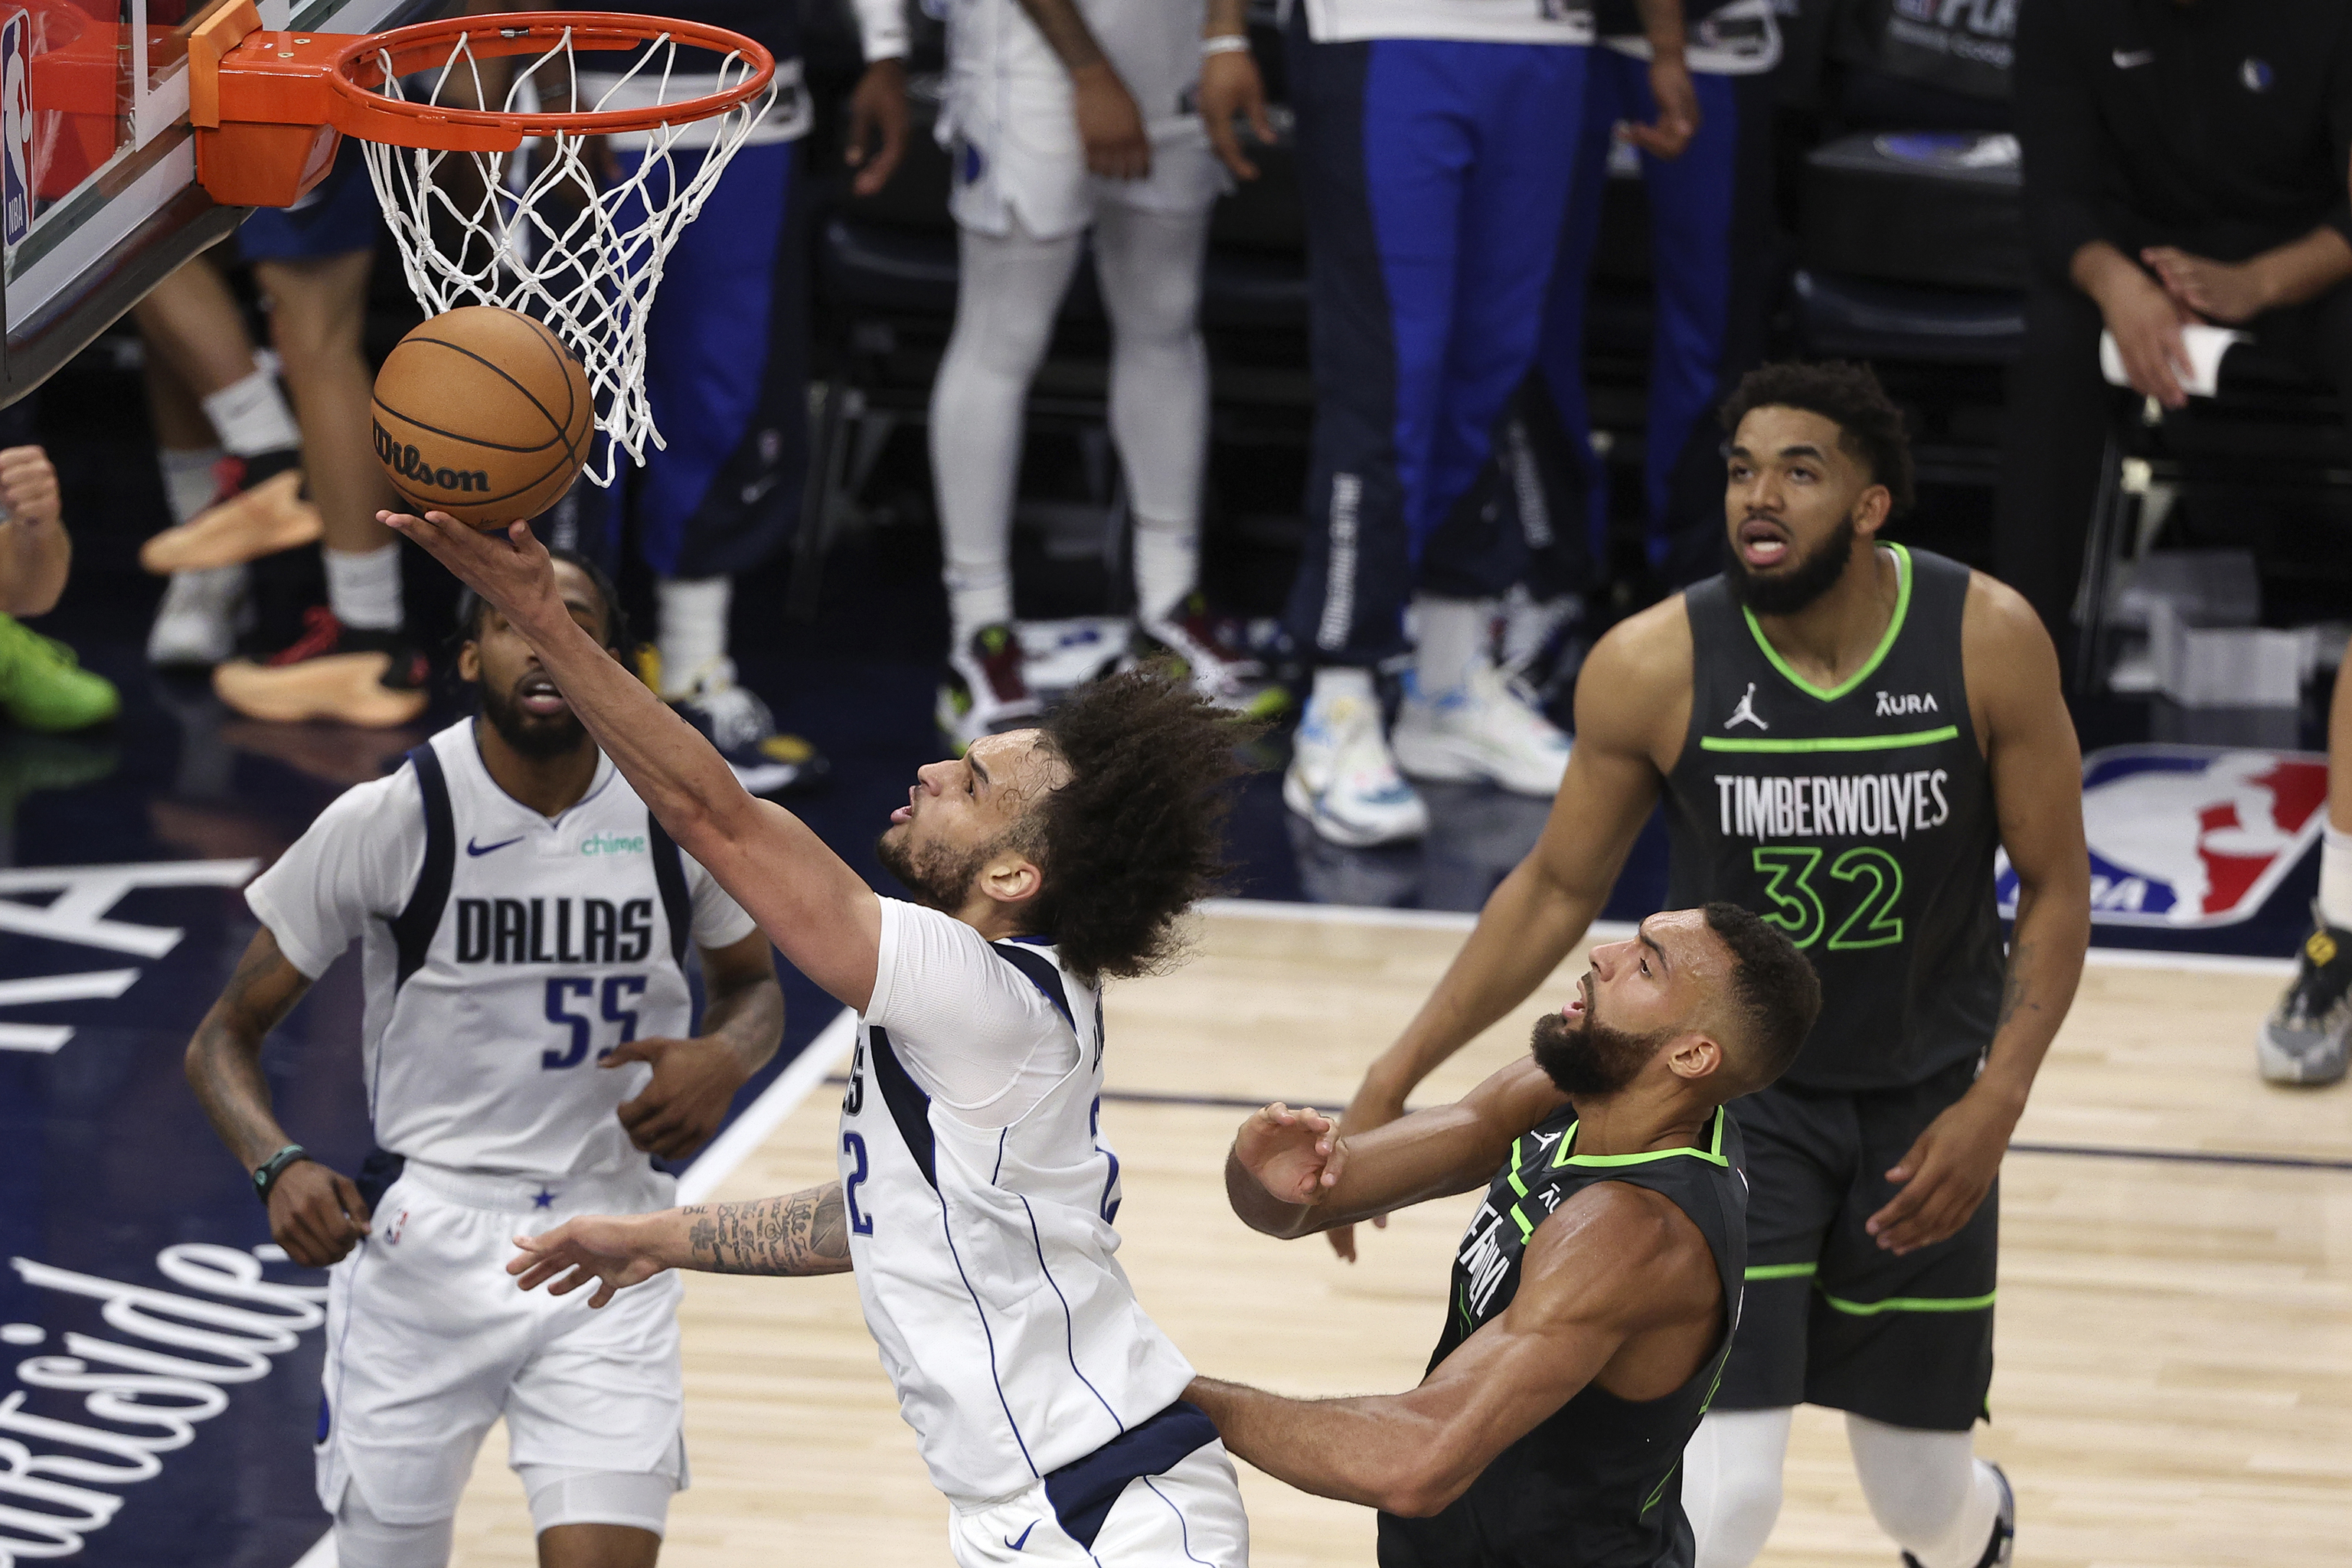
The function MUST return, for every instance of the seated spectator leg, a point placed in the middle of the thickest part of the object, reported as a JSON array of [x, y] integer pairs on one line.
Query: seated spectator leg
[[1148, 263], [2052, 447]]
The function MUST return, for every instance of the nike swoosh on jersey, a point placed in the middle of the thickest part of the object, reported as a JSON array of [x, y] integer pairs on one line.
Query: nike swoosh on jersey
[[2133, 58], [473, 848], [1017, 1545]]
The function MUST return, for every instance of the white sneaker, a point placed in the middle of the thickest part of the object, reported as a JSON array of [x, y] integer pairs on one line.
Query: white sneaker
[[986, 692], [195, 625], [1342, 779], [732, 717], [1486, 728]]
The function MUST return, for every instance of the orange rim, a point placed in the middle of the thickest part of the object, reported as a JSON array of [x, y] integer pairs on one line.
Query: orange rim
[[359, 70]]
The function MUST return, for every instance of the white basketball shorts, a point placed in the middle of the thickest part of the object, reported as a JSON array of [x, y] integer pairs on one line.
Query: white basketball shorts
[[1016, 151], [1100, 1513], [429, 1341]]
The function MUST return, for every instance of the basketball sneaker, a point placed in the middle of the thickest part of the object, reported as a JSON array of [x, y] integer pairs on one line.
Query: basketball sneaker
[[1487, 728], [2304, 1038], [766, 761], [1190, 643], [44, 686], [257, 510], [375, 680], [195, 625], [1343, 779], [986, 692], [2004, 1544]]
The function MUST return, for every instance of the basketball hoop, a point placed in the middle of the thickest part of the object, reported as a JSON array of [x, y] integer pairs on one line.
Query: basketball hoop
[[527, 205]]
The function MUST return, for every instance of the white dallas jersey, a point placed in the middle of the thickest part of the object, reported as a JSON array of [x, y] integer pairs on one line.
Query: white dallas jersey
[[504, 954], [981, 1233], [1473, 21]]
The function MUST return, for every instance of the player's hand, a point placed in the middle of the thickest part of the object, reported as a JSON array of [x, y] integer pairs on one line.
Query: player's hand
[[1677, 120], [2147, 322], [316, 1214], [1109, 125], [29, 485], [1230, 87], [1375, 1105], [2226, 291], [612, 1252], [878, 109], [1295, 1155], [1947, 1174], [511, 570], [693, 1084]]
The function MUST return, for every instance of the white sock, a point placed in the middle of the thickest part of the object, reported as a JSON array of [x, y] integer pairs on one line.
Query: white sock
[[1927, 1489], [1453, 635], [1334, 681], [978, 596], [1731, 1483], [692, 614], [251, 417], [1167, 565], [363, 587], [189, 483], [2336, 877]]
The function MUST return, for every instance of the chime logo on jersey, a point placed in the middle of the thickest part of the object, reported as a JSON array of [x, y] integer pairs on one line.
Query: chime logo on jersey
[[2184, 837]]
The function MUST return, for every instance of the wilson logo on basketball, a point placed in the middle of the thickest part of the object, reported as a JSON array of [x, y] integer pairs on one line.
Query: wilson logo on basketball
[[406, 462]]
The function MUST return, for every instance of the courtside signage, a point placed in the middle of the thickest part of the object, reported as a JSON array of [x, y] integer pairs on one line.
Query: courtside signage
[[2184, 837], [15, 128]]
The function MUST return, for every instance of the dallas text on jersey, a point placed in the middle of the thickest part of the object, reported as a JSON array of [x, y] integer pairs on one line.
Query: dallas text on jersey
[[517, 930]]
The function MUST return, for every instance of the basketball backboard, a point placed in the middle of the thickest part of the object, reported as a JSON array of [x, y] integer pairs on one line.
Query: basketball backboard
[[99, 199]]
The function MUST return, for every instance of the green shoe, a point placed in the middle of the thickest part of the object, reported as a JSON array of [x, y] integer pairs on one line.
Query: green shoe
[[44, 686]]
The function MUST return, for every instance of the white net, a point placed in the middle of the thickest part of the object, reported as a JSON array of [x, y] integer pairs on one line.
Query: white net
[[569, 229]]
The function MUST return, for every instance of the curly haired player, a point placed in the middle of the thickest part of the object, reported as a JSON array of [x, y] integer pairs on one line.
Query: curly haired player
[[976, 1196]]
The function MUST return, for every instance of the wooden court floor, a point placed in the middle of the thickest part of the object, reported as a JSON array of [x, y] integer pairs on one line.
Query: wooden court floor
[[2174, 1381]]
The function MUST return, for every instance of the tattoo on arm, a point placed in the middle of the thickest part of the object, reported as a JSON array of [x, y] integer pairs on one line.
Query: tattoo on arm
[[2012, 985], [803, 1233]]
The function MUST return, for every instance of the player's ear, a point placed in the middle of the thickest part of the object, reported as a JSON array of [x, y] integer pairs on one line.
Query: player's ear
[[1871, 511], [1695, 1058], [1012, 879], [469, 661]]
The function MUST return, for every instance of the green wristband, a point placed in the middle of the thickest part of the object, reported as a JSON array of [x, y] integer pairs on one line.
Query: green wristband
[[274, 1167]]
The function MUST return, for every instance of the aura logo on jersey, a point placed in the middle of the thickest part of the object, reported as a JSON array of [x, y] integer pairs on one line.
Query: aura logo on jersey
[[2189, 836], [62, 1474], [1895, 704], [554, 930], [1865, 805]]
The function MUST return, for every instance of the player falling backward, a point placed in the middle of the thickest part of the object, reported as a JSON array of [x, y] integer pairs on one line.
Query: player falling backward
[[523, 925], [1595, 1297], [1840, 732], [976, 1198]]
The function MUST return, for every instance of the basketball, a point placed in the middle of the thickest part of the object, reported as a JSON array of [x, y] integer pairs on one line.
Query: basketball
[[482, 413]]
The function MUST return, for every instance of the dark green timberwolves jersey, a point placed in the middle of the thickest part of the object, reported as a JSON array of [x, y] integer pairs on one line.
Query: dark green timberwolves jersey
[[1859, 820], [1597, 1484]]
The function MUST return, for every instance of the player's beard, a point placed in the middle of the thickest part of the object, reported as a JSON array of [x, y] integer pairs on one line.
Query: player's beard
[[1787, 592], [538, 739], [1591, 1058], [940, 875]]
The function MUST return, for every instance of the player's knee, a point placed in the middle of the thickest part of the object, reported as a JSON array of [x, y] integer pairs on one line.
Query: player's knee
[[1915, 1481], [364, 1540], [565, 1495], [1731, 1486]]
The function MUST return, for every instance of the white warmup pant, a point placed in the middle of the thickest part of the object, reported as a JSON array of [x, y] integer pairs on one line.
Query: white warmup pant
[[1925, 1489]]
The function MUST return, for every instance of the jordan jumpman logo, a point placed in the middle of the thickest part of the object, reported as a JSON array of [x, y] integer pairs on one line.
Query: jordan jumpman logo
[[1746, 711]]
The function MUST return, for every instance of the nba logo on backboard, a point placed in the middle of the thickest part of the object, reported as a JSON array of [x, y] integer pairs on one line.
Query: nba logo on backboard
[[2185, 837], [15, 128]]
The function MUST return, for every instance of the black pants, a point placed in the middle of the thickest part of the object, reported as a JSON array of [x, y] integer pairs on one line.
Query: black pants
[[2059, 409]]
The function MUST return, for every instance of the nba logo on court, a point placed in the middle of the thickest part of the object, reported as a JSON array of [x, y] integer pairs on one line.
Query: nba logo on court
[[2187, 836], [16, 128]]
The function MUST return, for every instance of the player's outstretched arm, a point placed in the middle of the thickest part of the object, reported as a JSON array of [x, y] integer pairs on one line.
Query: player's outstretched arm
[[1615, 1262], [803, 1233], [2037, 788], [818, 912], [1293, 1173], [315, 1213]]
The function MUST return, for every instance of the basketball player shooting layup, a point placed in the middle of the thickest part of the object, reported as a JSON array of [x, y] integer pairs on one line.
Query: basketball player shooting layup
[[976, 1198], [523, 923], [1842, 731], [1593, 1300]]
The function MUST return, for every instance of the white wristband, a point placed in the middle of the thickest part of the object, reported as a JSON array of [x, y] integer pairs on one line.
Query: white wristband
[[1225, 44]]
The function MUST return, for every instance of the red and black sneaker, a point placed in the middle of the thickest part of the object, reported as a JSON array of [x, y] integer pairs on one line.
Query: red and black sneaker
[[986, 692], [371, 678]]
